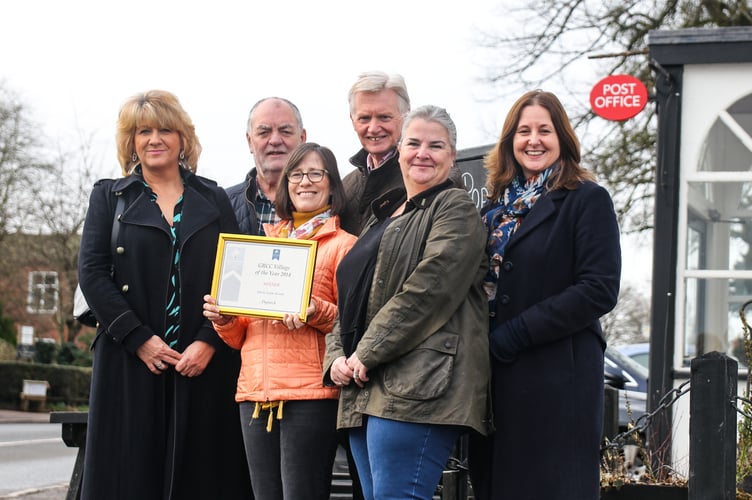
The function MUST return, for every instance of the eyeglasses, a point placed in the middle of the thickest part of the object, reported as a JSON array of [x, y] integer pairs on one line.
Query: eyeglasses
[[313, 176]]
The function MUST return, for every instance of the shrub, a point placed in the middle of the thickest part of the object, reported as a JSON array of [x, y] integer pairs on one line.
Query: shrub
[[70, 354], [45, 352], [7, 351]]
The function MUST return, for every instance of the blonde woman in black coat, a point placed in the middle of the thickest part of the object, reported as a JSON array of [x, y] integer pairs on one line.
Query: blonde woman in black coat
[[163, 422], [555, 266]]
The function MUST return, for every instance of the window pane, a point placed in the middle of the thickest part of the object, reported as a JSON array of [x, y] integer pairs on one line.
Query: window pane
[[724, 149], [43, 287], [719, 215], [711, 317]]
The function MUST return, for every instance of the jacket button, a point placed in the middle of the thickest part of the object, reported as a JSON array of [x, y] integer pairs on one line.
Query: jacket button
[[396, 229], [120, 250], [507, 266], [504, 299], [124, 288], [447, 344]]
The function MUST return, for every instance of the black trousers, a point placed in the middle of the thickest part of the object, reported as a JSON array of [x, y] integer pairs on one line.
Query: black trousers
[[292, 461]]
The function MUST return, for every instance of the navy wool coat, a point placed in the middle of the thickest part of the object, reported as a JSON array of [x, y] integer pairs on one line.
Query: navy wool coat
[[157, 436], [561, 272]]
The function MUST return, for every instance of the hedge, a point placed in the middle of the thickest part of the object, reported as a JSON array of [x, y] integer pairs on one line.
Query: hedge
[[69, 385]]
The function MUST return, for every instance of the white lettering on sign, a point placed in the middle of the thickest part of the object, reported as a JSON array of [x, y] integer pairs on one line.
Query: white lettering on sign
[[618, 97], [619, 88], [618, 100]]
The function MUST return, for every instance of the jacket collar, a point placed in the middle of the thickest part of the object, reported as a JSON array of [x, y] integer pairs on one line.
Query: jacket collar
[[385, 205], [123, 183], [544, 208], [197, 211], [250, 178], [360, 161]]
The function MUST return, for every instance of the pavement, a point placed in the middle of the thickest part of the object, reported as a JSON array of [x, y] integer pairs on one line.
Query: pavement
[[54, 492], [24, 417]]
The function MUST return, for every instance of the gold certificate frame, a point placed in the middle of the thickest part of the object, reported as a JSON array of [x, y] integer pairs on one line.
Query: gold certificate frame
[[262, 276]]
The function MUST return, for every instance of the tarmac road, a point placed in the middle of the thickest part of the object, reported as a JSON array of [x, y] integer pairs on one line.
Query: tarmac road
[[341, 488], [57, 492]]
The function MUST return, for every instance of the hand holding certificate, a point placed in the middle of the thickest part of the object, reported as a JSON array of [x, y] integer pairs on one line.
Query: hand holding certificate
[[262, 276]]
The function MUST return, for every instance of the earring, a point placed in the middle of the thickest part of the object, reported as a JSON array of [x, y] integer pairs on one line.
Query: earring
[[182, 155], [134, 157]]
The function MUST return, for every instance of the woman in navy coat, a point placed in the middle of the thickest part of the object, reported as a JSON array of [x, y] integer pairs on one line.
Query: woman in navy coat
[[163, 422], [554, 252]]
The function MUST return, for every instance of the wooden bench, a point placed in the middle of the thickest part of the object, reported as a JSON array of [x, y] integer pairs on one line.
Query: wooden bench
[[34, 390], [74, 436]]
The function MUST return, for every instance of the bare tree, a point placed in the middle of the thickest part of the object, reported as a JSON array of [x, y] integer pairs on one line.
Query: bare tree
[[42, 208], [629, 321], [21, 160], [552, 43], [60, 210]]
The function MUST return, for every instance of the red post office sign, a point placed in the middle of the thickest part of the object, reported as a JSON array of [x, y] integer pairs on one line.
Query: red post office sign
[[618, 97]]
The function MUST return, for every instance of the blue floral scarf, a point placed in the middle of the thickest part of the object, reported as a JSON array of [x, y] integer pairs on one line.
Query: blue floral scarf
[[503, 218]]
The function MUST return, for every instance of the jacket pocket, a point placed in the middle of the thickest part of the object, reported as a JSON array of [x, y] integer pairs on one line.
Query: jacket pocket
[[426, 372]]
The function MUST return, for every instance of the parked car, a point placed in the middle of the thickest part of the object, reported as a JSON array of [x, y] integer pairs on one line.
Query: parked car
[[640, 352], [631, 379]]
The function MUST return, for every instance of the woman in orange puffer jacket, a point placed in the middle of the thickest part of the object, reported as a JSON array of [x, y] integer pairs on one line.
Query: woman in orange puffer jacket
[[288, 416]]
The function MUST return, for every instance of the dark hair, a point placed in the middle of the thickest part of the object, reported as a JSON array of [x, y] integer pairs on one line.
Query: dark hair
[[501, 165], [283, 204]]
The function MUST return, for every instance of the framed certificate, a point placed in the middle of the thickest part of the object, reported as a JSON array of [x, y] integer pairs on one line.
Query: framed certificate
[[262, 276]]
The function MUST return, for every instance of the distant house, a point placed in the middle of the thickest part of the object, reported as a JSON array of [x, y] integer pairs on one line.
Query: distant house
[[37, 280]]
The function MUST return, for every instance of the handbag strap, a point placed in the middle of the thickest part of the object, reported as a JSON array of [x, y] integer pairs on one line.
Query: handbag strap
[[85, 316]]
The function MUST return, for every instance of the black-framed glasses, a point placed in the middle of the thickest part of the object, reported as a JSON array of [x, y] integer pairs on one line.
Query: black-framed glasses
[[313, 176]]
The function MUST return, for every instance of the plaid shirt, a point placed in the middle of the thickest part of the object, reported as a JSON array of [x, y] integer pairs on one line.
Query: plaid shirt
[[265, 213]]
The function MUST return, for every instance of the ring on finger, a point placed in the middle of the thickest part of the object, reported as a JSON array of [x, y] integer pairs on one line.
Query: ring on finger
[[356, 375], [159, 365]]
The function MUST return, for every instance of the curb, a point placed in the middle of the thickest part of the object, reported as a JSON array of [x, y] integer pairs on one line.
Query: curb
[[38, 492], [21, 417]]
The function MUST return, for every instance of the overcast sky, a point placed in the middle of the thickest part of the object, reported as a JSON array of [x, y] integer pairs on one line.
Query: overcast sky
[[73, 63]]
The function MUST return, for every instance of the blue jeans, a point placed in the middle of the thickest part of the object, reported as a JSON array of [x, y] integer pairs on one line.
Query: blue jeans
[[294, 461], [401, 460]]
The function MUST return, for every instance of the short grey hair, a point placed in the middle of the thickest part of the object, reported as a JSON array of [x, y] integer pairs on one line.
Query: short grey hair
[[436, 114], [294, 108], [376, 81]]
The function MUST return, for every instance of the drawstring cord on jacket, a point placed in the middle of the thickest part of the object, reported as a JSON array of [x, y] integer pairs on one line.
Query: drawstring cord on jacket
[[269, 405]]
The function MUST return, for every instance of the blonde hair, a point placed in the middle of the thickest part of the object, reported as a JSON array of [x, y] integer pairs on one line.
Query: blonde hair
[[158, 109]]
